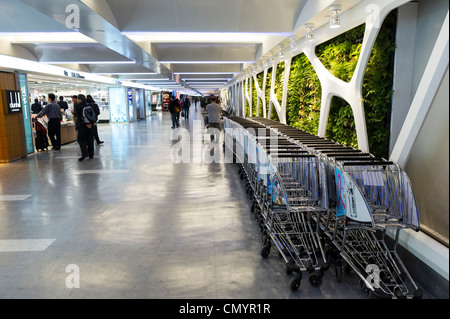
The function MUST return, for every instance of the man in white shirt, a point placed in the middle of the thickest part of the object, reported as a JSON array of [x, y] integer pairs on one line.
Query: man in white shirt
[[214, 112]]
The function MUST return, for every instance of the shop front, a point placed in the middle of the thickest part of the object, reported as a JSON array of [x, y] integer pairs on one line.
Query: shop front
[[154, 103], [13, 140], [140, 104]]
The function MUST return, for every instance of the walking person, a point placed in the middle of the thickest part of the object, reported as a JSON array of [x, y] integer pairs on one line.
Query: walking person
[[96, 108], [186, 106], [214, 111], [173, 106], [85, 130], [53, 112]]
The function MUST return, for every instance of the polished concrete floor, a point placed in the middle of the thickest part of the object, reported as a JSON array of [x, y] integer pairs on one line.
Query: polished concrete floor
[[131, 223]]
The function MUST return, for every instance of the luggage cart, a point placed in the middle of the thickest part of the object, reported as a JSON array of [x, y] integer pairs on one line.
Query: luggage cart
[[290, 223], [379, 203], [374, 197]]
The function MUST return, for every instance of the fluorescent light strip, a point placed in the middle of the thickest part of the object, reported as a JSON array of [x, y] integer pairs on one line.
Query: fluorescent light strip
[[206, 62], [202, 81], [33, 66], [206, 87], [225, 79], [89, 62], [153, 79], [206, 83], [125, 73], [162, 83], [206, 72], [252, 37], [46, 37]]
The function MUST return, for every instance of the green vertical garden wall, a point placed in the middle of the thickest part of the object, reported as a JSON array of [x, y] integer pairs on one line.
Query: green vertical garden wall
[[340, 56]]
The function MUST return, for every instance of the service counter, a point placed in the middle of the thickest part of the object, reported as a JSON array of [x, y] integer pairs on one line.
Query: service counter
[[68, 133]]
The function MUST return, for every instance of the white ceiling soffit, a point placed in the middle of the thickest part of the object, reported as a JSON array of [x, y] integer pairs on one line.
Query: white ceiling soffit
[[16, 16], [73, 52], [205, 15], [206, 51]]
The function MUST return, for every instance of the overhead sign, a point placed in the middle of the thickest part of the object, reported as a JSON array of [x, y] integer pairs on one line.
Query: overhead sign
[[13, 101]]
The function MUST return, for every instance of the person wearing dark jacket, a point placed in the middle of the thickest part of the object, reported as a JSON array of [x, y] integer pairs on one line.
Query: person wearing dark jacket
[[186, 105], [85, 130], [53, 112], [36, 107], [173, 105], [63, 104], [94, 105]]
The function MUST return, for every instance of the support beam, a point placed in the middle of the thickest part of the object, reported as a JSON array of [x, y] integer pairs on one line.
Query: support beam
[[429, 84]]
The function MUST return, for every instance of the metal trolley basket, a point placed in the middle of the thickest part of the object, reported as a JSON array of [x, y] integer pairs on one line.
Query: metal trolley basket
[[373, 198], [290, 223]]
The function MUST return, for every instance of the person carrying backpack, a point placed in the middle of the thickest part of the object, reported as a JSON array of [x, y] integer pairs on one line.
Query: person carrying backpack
[[86, 120], [91, 101]]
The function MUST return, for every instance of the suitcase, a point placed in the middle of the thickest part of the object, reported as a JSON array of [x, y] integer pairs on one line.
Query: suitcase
[[41, 142]]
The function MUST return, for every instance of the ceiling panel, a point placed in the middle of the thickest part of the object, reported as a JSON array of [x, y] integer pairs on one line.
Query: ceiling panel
[[16, 16], [206, 68], [206, 51], [72, 52], [206, 15]]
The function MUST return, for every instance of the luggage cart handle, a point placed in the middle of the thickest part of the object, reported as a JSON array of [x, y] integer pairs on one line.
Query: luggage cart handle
[[362, 158], [367, 163], [295, 155], [350, 154]]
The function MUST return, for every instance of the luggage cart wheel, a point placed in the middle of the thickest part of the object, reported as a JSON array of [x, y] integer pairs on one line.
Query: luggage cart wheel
[[265, 251], [294, 283], [315, 278]]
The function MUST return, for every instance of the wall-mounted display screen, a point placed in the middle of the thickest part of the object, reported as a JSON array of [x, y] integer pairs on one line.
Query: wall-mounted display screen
[[118, 104]]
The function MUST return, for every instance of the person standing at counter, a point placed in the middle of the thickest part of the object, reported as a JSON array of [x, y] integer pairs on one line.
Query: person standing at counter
[[43, 103], [85, 131], [63, 104], [36, 107], [72, 109], [53, 112]]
